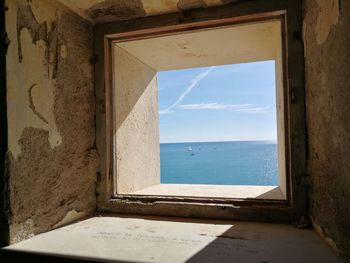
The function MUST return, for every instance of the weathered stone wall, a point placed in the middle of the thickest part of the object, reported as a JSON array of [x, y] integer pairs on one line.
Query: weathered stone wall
[[327, 58], [51, 162], [102, 11]]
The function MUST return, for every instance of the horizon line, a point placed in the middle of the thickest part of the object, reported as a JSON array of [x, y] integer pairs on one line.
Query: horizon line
[[263, 140]]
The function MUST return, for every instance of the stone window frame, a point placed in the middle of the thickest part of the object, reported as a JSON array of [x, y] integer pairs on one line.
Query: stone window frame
[[288, 210]]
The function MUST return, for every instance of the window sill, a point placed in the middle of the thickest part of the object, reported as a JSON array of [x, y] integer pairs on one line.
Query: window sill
[[212, 191]]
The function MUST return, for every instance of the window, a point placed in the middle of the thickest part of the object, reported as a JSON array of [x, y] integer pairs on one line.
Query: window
[[218, 127], [134, 55], [136, 65]]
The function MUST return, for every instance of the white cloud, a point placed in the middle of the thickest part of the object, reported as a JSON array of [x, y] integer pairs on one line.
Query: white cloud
[[193, 84], [213, 106], [255, 110], [246, 108]]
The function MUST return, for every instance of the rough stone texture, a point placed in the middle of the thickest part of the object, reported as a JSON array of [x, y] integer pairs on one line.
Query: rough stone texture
[[191, 4], [48, 181], [328, 105], [102, 11], [111, 10]]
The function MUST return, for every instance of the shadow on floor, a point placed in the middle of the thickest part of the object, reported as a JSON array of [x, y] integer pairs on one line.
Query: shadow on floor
[[8, 256], [268, 245]]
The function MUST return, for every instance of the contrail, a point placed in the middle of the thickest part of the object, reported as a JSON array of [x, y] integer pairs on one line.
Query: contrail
[[193, 84]]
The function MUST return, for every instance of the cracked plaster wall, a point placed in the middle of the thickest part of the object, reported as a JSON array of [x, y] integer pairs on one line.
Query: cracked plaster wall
[[51, 162], [327, 65]]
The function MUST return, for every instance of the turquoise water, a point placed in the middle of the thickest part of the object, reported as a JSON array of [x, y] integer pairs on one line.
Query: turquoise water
[[222, 163]]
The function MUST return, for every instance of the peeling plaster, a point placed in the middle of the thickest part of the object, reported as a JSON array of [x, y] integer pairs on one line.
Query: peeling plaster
[[328, 240], [80, 6], [26, 19], [158, 7], [71, 216], [32, 106], [101, 11], [327, 17], [29, 56], [52, 162], [111, 10]]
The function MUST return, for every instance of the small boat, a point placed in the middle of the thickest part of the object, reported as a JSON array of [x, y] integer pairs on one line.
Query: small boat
[[189, 149]]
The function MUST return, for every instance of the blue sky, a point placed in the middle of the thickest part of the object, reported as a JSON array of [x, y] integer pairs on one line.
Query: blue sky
[[222, 103]]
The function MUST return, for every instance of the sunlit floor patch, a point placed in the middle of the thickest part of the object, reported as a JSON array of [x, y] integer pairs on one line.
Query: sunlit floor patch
[[154, 239]]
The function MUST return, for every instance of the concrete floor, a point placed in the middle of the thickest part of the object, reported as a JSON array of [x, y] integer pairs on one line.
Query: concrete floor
[[156, 239]]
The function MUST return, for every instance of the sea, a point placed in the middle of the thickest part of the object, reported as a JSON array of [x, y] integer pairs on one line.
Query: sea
[[219, 163]]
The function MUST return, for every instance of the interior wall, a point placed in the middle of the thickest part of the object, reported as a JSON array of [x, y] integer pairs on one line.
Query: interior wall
[[327, 58], [136, 134], [51, 157]]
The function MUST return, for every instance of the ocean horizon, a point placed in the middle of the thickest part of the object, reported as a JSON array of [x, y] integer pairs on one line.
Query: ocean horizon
[[219, 163]]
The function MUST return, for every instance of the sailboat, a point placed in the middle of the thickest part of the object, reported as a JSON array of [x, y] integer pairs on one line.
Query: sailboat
[[190, 150]]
